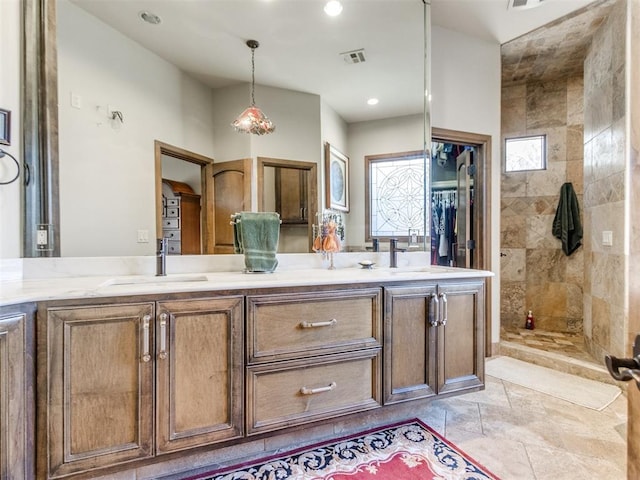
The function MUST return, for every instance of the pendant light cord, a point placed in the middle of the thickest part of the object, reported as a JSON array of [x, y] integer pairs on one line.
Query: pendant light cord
[[253, 75]]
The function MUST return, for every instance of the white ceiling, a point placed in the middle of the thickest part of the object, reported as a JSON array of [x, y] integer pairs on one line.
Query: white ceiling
[[300, 45]]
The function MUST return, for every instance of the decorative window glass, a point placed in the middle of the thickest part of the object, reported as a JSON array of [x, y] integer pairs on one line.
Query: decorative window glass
[[395, 201], [525, 153]]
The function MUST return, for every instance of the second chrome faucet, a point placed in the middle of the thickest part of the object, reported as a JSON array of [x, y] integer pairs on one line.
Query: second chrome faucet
[[393, 252]]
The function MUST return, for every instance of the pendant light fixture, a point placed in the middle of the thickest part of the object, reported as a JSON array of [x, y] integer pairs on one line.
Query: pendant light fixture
[[252, 120]]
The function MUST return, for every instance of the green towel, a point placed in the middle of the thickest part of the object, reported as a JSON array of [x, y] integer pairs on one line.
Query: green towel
[[256, 235], [566, 224]]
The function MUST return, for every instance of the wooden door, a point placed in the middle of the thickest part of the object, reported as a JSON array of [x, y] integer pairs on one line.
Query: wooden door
[[190, 238], [460, 336], [409, 344], [16, 395], [231, 194], [199, 368], [464, 210], [99, 396]]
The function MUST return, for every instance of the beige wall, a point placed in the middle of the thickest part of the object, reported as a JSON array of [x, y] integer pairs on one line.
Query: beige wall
[[605, 314], [535, 274]]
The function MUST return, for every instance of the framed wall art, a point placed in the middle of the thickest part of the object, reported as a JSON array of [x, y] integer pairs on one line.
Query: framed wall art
[[5, 127], [336, 178]]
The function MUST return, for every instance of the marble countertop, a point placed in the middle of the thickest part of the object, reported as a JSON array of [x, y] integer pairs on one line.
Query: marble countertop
[[60, 282]]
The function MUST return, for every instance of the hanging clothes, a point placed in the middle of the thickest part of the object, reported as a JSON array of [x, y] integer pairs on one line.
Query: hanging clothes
[[443, 227]]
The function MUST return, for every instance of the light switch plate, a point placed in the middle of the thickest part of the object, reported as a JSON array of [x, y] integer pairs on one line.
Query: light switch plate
[[143, 236], [607, 238]]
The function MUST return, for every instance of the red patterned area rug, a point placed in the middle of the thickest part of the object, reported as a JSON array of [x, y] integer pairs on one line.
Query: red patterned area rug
[[403, 451]]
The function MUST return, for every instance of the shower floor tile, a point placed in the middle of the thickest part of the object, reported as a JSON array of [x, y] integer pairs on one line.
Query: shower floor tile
[[568, 344]]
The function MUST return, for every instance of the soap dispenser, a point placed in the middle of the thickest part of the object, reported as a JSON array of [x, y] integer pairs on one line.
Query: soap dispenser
[[529, 323]]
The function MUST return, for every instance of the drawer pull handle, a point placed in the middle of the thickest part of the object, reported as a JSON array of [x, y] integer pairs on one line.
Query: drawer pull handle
[[312, 391], [163, 336], [330, 323], [145, 338]]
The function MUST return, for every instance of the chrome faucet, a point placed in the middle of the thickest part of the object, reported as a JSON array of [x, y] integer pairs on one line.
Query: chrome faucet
[[161, 257], [393, 252]]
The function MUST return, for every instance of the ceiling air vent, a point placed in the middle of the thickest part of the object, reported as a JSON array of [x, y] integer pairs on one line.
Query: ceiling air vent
[[522, 4], [354, 56]]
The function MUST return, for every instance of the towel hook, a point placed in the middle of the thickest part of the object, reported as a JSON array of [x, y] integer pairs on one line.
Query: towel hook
[[2, 154]]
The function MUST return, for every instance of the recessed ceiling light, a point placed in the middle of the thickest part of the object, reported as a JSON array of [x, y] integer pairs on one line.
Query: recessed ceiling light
[[151, 18], [372, 101], [333, 8]]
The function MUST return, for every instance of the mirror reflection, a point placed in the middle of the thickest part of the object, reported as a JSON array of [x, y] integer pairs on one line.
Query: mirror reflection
[[124, 85]]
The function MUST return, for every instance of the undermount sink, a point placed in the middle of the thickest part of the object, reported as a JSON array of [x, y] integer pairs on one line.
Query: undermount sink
[[424, 269], [154, 280]]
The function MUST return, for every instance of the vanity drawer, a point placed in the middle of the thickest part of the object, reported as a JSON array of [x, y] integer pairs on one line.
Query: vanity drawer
[[289, 393], [306, 324], [172, 202]]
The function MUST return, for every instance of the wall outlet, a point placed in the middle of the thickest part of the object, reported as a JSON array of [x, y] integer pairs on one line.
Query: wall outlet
[[42, 237], [143, 236]]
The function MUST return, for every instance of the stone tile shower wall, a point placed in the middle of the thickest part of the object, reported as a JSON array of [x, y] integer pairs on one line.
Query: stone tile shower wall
[[605, 315], [535, 273]]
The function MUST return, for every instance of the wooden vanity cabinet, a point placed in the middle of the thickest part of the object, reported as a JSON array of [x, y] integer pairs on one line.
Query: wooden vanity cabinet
[[128, 381], [312, 356], [434, 339], [17, 380], [124, 381]]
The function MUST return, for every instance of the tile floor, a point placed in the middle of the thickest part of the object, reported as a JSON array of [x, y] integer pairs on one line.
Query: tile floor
[[520, 434]]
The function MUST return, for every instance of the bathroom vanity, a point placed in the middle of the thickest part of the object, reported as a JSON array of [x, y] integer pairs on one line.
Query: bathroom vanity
[[141, 372]]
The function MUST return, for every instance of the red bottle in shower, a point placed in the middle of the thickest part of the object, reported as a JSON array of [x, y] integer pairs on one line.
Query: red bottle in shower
[[529, 323]]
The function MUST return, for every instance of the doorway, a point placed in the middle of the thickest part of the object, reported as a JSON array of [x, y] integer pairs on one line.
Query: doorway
[[465, 181], [171, 161], [290, 187]]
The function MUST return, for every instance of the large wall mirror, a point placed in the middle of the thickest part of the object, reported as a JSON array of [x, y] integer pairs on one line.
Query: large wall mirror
[[104, 87]]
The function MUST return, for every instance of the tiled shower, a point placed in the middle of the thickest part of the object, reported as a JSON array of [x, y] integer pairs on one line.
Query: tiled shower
[[583, 116]]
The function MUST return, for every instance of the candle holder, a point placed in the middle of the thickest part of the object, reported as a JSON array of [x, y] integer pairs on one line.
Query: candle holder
[[328, 234]]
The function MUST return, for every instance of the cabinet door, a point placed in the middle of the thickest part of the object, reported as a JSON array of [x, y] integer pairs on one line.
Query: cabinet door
[[100, 386], [16, 395], [461, 338], [409, 344], [199, 363], [291, 195]]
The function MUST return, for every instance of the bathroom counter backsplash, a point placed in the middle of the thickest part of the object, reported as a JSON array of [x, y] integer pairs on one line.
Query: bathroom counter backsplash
[[40, 279]]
